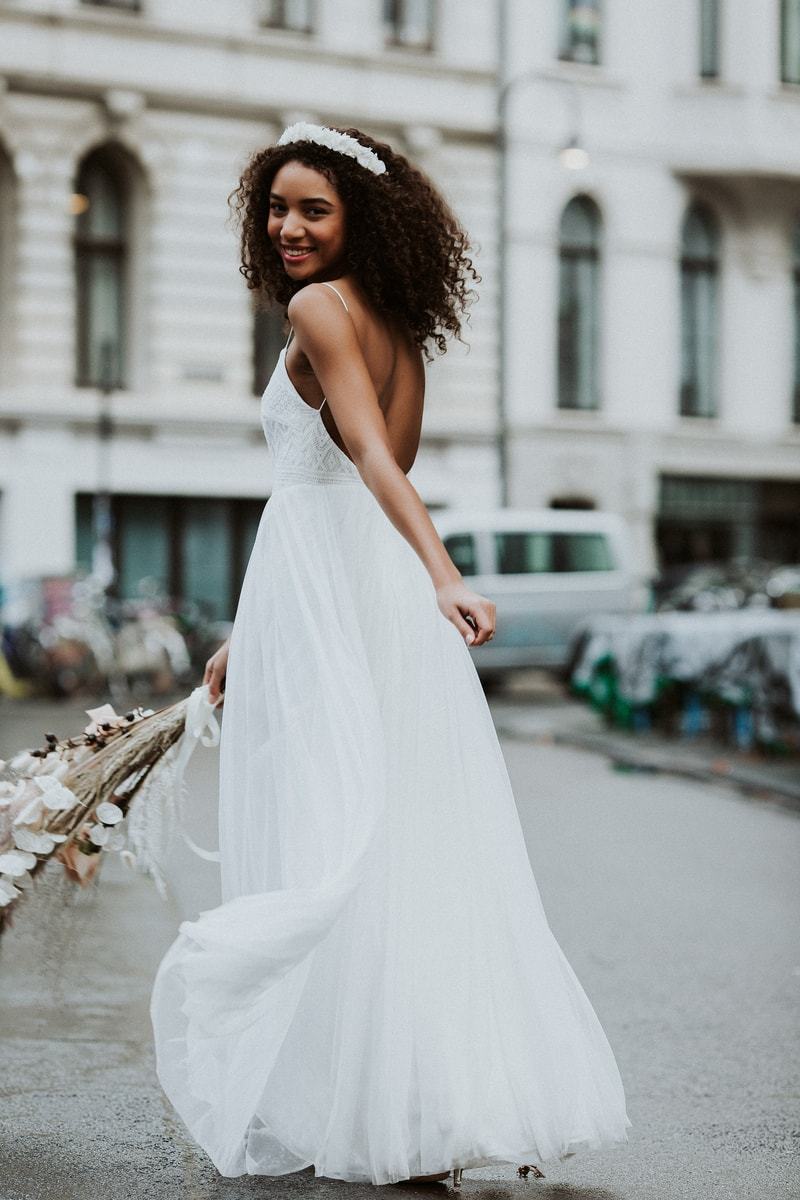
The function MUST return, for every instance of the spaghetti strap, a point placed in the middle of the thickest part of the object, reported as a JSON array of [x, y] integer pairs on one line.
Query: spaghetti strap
[[338, 293], [346, 309], [291, 331]]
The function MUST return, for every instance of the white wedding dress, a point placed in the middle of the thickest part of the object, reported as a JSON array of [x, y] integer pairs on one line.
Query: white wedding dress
[[379, 995]]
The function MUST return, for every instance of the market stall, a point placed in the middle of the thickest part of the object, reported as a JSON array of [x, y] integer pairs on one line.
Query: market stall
[[735, 674]]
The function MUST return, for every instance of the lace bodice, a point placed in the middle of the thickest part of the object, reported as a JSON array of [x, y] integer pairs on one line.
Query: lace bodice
[[303, 450]]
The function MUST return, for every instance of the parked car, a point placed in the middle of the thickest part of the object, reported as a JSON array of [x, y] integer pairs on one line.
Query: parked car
[[546, 570]]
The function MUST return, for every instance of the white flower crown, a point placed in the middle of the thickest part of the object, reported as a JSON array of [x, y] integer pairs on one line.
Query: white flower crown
[[342, 143]]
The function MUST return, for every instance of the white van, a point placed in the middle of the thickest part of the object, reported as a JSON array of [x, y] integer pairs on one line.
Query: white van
[[546, 570]]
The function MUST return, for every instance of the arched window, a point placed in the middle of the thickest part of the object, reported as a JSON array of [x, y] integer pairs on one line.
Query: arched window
[[796, 299], [578, 305], [102, 236], [699, 271], [268, 340], [790, 41]]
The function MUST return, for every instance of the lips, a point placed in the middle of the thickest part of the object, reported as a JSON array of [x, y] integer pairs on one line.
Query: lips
[[295, 253]]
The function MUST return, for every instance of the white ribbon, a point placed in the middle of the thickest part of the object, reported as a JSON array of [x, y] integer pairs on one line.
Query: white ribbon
[[201, 726]]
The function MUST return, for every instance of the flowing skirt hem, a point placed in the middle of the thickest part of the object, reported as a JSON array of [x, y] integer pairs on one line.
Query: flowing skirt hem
[[578, 1145]]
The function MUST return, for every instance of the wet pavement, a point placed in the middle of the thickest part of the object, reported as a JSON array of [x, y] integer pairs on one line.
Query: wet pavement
[[674, 898]]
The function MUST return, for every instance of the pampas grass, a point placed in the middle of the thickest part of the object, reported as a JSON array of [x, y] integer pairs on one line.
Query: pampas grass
[[66, 800]]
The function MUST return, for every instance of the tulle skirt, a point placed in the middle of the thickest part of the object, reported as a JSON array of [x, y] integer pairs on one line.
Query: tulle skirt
[[379, 995]]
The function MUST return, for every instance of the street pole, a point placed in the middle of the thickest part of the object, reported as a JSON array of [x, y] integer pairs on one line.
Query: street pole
[[502, 180], [572, 157], [504, 88]]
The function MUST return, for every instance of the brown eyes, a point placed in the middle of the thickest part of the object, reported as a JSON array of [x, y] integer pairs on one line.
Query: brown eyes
[[314, 212]]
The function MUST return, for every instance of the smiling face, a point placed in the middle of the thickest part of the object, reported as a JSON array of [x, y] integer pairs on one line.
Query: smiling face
[[306, 224]]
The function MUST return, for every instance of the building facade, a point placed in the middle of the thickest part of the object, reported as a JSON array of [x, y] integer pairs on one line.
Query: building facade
[[629, 177], [652, 349], [132, 357]]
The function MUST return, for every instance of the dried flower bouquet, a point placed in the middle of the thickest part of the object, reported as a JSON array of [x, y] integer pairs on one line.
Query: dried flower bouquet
[[70, 800]]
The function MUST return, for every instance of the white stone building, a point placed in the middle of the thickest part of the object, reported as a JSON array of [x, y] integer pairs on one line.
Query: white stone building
[[651, 300], [150, 110], [653, 326]]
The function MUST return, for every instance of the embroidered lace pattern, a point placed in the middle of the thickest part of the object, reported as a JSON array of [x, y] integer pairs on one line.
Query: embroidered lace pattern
[[303, 450]]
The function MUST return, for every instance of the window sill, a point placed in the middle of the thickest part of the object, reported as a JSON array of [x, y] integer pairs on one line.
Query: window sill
[[596, 76], [401, 52], [709, 427], [786, 91], [286, 31], [125, 9], [708, 86], [579, 416], [394, 43], [94, 389]]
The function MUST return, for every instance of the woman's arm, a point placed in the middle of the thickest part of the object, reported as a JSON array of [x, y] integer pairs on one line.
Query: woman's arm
[[328, 338]]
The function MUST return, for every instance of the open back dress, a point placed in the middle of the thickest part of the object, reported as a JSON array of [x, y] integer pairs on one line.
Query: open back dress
[[379, 995]]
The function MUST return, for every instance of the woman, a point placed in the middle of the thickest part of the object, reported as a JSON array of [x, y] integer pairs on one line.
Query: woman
[[379, 994]]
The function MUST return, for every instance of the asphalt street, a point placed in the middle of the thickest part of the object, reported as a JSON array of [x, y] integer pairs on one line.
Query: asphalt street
[[674, 900]]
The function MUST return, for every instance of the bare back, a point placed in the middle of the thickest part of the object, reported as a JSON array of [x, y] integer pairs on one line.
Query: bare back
[[395, 366]]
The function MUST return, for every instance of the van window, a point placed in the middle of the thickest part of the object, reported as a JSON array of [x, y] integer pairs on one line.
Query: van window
[[461, 548], [527, 553], [584, 552], [523, 553]]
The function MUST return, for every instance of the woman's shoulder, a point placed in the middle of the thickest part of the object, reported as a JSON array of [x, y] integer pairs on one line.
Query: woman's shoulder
[[316, 307], [314, 299]]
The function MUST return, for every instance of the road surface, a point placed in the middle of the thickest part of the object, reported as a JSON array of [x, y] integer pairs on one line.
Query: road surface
[[675, 902]]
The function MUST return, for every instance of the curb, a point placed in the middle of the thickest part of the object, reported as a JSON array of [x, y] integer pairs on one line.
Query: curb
[[746, 778]]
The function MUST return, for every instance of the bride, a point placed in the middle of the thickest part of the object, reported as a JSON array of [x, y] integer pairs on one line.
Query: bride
[[379, 995]]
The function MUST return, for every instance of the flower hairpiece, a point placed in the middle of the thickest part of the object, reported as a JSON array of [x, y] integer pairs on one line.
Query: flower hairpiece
[[342, 143]]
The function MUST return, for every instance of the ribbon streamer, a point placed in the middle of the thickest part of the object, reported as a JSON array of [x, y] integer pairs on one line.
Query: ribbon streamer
[[201, 726]]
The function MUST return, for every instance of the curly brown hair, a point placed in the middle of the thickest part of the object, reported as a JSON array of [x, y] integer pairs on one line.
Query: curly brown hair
[[405, 246]]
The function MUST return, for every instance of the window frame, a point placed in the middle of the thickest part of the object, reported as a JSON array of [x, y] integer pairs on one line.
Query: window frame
[[789, 55], [268, 329], [568, 42], [693, 268], [242, 514], [88, 248], [561, 548], [269, 20], [571, 258], [709, 39], [394, 18], [796, 321], [461, 562], [121, 6], [9, 216]]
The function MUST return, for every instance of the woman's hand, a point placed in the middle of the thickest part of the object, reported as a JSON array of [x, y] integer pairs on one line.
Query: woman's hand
[[216, 668], [472, 615]]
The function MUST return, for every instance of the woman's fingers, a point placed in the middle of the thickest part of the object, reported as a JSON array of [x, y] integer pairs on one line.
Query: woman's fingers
[[215, 684], [483, 614], [463, 626], [476, 624], [472, 614], [214, 674]]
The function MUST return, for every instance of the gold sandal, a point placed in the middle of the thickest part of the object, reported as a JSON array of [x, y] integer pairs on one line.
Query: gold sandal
[[523, 1172]]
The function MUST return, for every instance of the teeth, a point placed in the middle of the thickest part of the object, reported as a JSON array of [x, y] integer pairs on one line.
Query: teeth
[[294, 253]]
